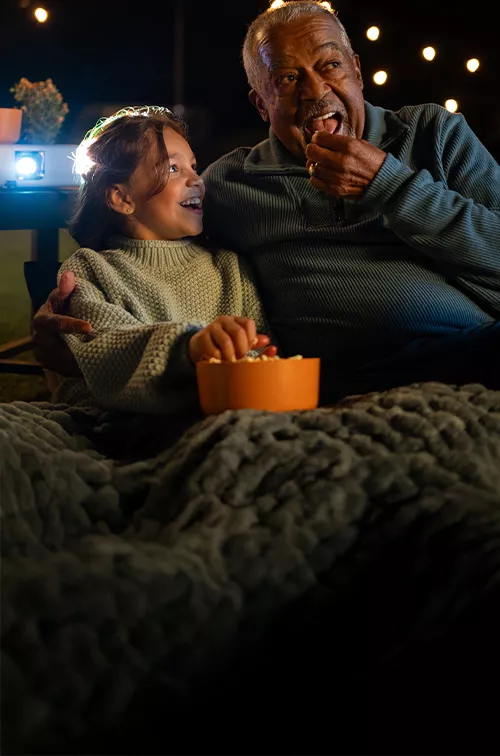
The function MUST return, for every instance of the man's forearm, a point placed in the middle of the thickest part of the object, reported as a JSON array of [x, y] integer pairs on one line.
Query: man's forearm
[[457, 233]]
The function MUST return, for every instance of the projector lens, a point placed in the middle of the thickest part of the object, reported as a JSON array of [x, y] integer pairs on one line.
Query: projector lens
[[30, 165]]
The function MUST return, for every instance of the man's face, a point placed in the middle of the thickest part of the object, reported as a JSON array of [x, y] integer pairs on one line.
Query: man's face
[[307, 73]]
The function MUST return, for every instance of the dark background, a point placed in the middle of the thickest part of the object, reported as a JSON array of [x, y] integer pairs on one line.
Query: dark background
[[103, 54]]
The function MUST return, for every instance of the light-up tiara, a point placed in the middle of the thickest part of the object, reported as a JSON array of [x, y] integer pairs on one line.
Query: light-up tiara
[[82, 162]]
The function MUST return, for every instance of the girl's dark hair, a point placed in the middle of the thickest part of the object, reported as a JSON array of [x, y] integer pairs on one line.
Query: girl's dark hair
[[112, 152]]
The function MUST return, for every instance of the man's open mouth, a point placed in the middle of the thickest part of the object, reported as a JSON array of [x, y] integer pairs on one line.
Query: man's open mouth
[[193, 204], [329, 122]]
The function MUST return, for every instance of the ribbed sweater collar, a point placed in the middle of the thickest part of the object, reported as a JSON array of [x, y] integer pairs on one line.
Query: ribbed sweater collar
[[157, 254]]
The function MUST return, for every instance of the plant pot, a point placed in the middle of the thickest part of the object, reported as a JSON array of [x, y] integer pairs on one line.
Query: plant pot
[[10, 125]]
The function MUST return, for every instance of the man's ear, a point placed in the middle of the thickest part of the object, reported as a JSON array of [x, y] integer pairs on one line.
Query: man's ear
[[119, 199], [258, 104], [357, 66]]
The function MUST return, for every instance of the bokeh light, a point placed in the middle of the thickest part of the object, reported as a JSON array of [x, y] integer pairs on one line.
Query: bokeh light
[[373, 33], [451, 105], [472, 65], [41, 15], [276, 4], [429, 53], [380, 77]]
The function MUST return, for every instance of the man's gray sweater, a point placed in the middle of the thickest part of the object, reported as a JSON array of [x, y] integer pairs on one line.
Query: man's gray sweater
[[354, 282]]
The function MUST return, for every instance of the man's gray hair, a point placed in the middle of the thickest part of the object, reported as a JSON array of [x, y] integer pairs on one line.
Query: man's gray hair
[[280, 16]]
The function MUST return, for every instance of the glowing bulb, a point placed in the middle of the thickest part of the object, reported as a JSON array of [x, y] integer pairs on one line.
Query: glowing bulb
[[276, 4], [327, 5], [429, 53], [41, 15], [26, 166], [451, 105], [472, 65], [380, 77], [373, 33]]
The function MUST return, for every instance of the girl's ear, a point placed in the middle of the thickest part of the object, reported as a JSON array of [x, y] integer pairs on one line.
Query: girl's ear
[[119, 199]]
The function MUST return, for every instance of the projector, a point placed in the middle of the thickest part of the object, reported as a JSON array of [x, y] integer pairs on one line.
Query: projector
[[37, 165]]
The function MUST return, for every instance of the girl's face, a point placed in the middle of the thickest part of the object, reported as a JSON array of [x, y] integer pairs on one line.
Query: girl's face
[[177, 211]]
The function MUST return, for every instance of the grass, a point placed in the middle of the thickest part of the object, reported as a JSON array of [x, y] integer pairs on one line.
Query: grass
[[15, 309]]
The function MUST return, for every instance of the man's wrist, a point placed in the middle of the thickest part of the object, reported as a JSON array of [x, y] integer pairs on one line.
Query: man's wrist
[[391, 176]]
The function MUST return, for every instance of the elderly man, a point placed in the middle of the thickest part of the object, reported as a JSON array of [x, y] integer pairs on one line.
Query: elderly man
[[374, 235]]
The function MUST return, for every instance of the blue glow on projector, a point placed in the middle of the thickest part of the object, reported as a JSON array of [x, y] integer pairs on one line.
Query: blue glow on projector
[[30, 165]]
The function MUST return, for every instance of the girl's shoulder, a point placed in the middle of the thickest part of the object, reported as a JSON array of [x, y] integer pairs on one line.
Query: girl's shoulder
[[81, 258], [86, 262], [226, 259], [225, 255], [230, 262]]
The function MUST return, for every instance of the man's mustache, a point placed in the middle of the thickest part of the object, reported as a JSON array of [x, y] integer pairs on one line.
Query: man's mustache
[[321, 107]]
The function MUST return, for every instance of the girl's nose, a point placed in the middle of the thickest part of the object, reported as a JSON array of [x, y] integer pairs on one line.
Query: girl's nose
[[194, 179]]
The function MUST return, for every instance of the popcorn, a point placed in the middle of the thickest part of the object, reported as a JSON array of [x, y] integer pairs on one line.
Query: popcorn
[[260, 358]]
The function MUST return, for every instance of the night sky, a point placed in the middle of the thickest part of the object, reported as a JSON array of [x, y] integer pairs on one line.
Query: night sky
[[112, 52]]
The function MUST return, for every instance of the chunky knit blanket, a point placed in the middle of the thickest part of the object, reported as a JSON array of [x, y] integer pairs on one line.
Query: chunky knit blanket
[[300, 582]]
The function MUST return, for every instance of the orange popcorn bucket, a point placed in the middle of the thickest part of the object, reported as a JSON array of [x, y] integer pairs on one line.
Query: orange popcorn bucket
[[278, 385]]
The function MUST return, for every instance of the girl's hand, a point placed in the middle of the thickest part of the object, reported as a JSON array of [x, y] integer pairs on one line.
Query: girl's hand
[[227, 338]]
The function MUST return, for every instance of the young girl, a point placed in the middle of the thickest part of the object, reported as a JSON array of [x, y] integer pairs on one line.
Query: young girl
[[158, 301]]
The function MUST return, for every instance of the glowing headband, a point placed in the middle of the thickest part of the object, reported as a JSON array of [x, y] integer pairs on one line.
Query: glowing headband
[[82, 162]]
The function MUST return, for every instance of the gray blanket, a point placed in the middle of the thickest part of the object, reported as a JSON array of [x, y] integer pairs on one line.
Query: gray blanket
[[144, 595]]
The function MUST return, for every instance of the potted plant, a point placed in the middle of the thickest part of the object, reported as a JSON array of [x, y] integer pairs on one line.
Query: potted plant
[[43, 110]]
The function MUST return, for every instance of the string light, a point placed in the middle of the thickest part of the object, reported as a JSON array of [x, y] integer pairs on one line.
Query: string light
[[429, 53], [41, 15], [451, 105], [380, 77], [472, 65], [327, 5], [373, 33]]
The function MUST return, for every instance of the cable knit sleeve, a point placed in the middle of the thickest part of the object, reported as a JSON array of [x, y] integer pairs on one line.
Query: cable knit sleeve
[[126, 364]]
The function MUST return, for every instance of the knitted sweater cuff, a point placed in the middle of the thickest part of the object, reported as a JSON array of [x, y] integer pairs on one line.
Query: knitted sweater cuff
[[181, 362]]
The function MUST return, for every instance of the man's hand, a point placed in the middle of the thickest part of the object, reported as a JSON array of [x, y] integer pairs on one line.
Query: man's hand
[[49, 322], [345, 166], [227, 338]]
